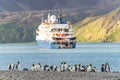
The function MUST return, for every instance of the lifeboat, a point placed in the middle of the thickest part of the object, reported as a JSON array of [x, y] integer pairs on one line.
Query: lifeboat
[[60, 35], [63, 35]]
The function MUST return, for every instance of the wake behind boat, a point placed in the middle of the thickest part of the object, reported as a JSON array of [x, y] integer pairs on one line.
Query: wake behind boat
[[56, 34]]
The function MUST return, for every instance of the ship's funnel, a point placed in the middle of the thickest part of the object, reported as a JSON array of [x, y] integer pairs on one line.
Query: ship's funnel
[[59, 19]]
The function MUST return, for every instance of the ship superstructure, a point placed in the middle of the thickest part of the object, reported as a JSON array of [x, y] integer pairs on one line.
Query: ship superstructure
[[55, 34]]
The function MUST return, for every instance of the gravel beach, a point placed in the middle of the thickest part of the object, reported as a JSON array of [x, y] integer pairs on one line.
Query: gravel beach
[[36, 75]]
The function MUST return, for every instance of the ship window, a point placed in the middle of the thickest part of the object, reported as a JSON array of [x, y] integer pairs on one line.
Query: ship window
[[66, 30]]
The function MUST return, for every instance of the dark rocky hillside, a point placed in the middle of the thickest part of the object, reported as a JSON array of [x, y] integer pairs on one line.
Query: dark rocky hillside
[[18, 5], [20, 18]]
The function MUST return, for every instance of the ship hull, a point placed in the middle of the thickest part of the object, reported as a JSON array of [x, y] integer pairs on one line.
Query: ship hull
[[53, 45], [43, 44]]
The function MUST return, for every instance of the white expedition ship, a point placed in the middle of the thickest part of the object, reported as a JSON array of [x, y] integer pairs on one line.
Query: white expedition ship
[[56, 34]]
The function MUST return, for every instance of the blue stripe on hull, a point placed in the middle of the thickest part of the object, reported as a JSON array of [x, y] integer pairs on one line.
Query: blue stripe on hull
[[74, 45], [52, 45]]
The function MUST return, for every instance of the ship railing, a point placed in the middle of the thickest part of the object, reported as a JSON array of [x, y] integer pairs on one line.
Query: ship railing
[[62, 32], [62, 41], [65, 36], [60, 26]]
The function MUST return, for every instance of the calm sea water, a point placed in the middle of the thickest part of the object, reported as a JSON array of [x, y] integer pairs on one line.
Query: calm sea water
[[84, 53]]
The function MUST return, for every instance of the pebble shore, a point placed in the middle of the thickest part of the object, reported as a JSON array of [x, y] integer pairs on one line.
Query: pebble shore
[[36, 75]]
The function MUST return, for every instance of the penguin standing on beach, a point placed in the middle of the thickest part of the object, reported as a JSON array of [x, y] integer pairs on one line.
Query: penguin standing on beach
[[78, 67], [65, 67], [94, 69], [33, 67], [103, 68], [89, 68], [18, 66], [61, 66], [38, 67], [11, 66], [107, 67], [83, 69]]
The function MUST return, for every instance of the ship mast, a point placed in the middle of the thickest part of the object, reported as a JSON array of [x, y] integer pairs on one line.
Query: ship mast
[[48, 17], [42, 17]]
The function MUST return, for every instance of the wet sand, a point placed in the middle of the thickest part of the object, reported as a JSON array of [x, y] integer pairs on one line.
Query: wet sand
[[36, 75]]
